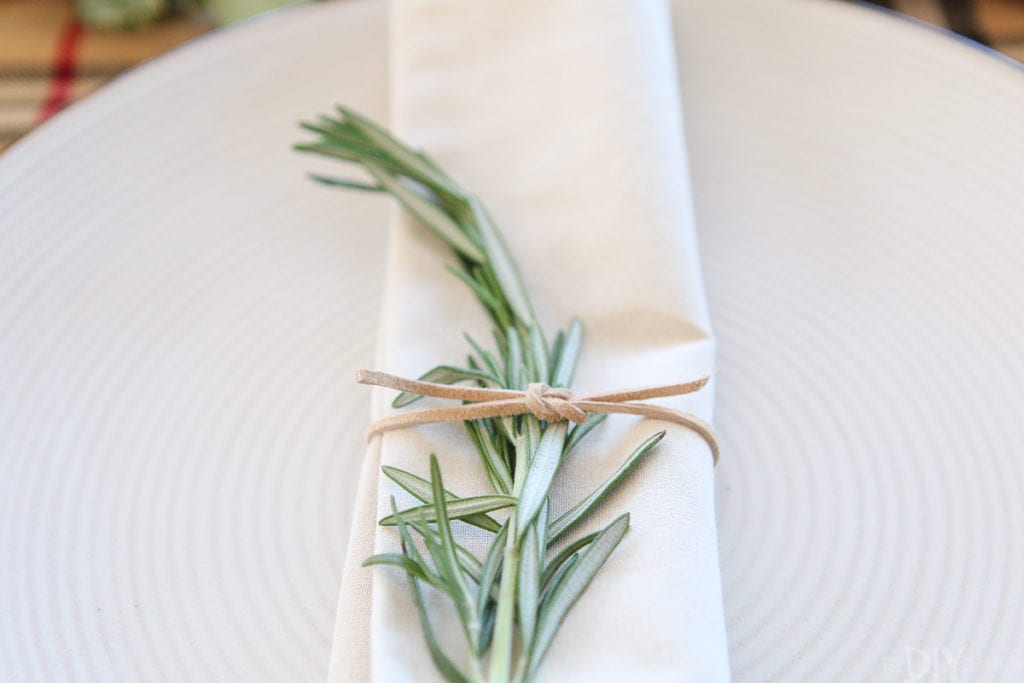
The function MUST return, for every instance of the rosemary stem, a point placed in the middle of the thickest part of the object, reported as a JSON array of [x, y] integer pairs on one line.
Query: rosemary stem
[[525, 615], [522, 669], [504, 625], [477, 670]]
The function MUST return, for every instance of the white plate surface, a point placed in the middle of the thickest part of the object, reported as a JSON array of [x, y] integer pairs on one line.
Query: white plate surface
[[180, 312]]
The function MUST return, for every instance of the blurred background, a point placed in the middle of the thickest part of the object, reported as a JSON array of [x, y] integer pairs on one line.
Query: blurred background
[[54, 52]]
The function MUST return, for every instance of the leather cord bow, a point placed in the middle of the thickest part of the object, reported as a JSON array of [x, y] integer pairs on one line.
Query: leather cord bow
[[543, 402]]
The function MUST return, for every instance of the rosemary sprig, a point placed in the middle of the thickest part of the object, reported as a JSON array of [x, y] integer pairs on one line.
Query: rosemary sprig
[[511, 602]]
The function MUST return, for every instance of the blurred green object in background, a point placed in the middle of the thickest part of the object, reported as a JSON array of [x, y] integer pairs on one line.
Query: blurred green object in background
[[117, 15], [227, 11], [121, 14]]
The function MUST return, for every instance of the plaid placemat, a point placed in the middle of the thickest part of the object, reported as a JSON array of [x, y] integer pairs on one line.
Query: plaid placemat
[[48, 59], [996, 23]]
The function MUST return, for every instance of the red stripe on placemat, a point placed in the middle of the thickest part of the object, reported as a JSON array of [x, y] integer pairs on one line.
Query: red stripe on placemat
[[63, 71]]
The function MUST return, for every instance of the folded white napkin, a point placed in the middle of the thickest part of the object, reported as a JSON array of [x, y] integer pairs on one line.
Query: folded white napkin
[[564, 118]]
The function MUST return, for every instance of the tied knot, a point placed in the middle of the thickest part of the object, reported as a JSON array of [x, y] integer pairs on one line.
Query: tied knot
[[548, 404], [553, 405]]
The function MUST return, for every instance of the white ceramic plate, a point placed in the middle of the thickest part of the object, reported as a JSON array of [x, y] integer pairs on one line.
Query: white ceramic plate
[[180, 312]]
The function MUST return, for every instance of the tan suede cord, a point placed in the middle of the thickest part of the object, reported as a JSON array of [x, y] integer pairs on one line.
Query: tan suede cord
[[543, 402]]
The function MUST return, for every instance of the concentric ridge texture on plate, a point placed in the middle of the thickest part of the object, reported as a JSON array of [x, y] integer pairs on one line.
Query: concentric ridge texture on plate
[[859, 190], [180, 312]]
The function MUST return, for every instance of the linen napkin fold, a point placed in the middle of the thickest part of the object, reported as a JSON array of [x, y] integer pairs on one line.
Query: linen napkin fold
[[564, 117]]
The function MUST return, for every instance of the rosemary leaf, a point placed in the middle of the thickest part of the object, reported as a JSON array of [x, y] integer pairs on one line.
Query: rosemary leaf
[[349, 184], [561, 599], [565, 365], [532, 430], [514, 360], [552, 585], [467, 561], [421, 489], [494, 464], [427, 213], [486, 298], [563, 556], [328, 149], [504, 619], [556, 353], [539, 353], [459, 508], [487, 627], [487, 358], [338, 133], [383, 140], [579, 432], [447, 374], [402, 561], [500, 342], [491, 566], [464, 602], [580, 510], [542, 472], [529, 586], [441, 661], [505, 271]]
